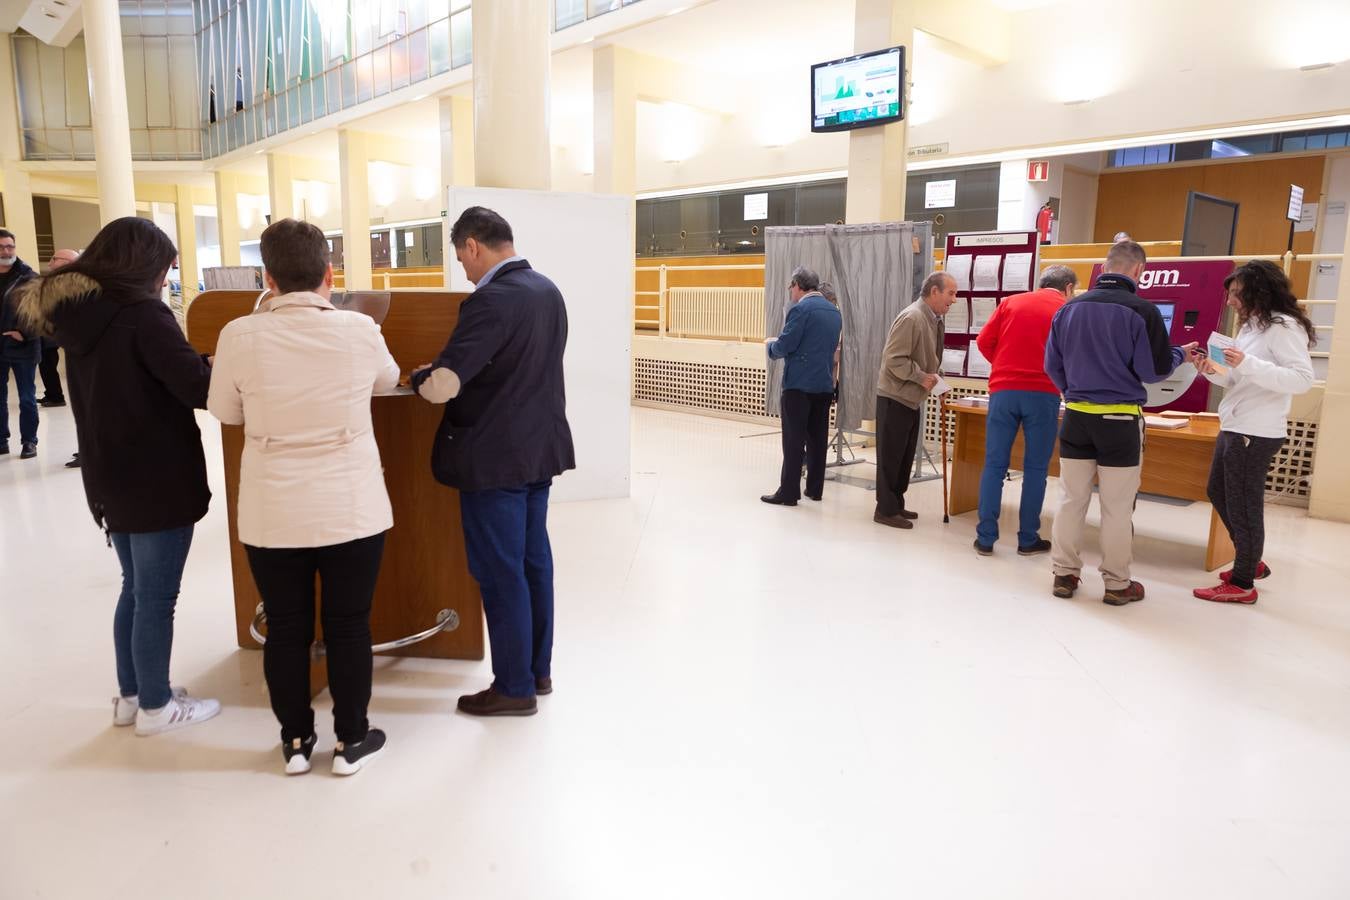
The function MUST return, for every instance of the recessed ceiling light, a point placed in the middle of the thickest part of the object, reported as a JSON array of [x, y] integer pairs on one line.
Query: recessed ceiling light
[[1313, 67], [1085, 100]]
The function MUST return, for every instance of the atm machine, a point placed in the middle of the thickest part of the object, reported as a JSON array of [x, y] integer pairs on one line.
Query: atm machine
[[1190, 296]]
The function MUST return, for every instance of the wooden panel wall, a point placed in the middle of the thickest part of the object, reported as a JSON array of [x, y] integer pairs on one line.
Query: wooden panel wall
[[1151, 203], [648, 278]]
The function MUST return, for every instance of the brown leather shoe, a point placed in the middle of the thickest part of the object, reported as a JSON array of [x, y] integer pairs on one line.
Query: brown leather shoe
[[893, 521], [491, 703], [543, 686], [909, 515], [1132, 593]]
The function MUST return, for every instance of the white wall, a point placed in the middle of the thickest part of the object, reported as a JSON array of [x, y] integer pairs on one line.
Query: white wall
[[584, 243], [74, 224]]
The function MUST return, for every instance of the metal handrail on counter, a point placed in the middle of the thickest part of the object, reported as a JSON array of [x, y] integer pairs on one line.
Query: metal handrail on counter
[[446, 620]]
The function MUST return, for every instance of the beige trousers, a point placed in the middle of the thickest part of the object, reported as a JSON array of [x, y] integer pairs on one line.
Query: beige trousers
[[1118, 489]]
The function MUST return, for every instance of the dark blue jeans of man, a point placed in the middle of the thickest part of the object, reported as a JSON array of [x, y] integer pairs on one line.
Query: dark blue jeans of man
[[506, 537], [25, 379], [1037, 414], [152, 570]]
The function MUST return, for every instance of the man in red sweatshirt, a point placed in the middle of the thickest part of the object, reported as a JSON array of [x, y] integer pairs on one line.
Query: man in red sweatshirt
[[1020, 395]]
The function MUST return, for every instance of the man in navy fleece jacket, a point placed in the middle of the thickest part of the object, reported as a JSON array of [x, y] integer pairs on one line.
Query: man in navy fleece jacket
[[1103, 348]]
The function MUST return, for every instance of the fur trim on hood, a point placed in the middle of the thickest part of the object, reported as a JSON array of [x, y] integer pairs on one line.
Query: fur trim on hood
[[40, 298]]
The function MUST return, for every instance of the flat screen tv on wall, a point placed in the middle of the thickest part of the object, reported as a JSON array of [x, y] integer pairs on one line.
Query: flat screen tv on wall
[[858, 91]]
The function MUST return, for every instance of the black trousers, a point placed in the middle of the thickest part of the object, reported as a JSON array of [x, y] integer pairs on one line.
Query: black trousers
[[285, 578], [1237, 488], [897, 442], [51, 378], [806, 434]]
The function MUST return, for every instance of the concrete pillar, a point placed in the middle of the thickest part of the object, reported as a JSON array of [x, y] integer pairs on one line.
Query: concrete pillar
[[615, 87], [1331, 477], [876, 156], [17, 189], [457, 164], [186, 239], [354, 182], [227, 216], [511, 65], [281, 186], [108, 110]]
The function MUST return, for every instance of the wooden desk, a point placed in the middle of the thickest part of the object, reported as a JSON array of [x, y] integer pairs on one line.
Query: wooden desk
[[1176, 464], [425, 568]]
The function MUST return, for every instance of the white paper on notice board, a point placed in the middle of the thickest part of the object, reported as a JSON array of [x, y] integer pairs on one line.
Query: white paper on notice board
[[986, 273], [959, 268], [953, 362], [1017, 272], [939, 194], [978, 366], [756, 207], [957, 320], [981, 311]]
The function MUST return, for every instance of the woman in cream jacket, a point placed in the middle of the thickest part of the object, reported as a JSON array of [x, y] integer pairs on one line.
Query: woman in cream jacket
[[298, 374]]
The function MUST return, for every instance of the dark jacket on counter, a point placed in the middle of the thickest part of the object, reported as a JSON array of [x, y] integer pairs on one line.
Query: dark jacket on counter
[[133, 381], [506, 424]]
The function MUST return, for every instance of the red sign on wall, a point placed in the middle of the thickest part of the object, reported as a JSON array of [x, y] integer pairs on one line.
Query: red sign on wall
[[1038, 170]]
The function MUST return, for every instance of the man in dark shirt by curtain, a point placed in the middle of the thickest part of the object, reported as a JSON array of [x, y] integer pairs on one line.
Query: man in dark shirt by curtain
[[19, 351]]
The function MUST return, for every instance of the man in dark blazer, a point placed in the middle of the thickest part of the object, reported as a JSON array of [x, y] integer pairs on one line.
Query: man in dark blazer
[[502, 440], [807, 343], [19, 352]]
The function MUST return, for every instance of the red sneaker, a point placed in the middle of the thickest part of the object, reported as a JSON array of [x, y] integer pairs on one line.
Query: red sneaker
[[1227, 593], [1262, 571]]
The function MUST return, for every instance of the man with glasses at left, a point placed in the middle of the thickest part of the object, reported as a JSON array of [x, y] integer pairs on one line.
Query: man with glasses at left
[[19, 352]]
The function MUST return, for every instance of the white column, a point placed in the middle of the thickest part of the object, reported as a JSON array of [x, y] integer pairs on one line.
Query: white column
[[511, 63], [354, 178], [457, 165], [227, 216], [615, 90], [108, 110], [186, 221], [281, 186], [17, 189], [876, 156]]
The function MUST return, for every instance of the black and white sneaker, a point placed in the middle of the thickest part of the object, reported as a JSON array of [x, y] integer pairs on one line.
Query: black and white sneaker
[[349, 758], [297, 754]]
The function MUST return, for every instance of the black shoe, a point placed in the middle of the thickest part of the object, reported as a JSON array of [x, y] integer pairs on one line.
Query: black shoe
[[28, 452], [1065, 586], [74, 462], [815, 497], [349, 758], [777, 500], [1041, 546], [543, 685], [52, 401], [983, 549], [896, 521], [297, 753], [491, 703], [904, 513]]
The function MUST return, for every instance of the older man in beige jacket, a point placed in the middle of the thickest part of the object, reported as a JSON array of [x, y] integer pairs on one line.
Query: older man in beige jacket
[[909, 367]]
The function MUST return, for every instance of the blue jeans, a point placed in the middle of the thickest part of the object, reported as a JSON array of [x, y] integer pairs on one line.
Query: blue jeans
[[506, 537], [25, 379], [152, 569], [1038, 415]]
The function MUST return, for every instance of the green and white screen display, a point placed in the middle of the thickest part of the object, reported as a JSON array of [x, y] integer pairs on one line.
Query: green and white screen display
[[858, 91]]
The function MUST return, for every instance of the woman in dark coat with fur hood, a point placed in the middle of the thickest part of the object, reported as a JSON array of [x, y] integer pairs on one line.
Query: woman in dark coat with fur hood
[[134, 382]]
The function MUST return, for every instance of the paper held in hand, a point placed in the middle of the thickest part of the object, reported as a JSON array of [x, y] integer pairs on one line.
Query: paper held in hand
[[941, 387], [1217, 344]]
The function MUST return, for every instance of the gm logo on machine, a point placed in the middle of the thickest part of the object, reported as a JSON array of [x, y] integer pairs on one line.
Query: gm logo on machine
[[1152, 278]]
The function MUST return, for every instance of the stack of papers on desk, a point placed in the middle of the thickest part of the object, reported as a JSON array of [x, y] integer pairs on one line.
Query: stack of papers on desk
[[1165, 422]]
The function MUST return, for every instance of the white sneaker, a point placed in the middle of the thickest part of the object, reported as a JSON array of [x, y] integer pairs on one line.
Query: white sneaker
[[124, 708], [177, 713]]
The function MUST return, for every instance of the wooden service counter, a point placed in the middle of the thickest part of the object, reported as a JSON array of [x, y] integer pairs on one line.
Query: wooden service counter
[[1176, 464], [425, 569]]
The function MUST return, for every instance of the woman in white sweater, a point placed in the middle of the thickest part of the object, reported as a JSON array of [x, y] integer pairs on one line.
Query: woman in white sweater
[[1269, 365], [298, 375]]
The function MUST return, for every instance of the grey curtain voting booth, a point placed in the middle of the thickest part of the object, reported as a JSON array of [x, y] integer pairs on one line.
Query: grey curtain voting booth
[[876, 271]]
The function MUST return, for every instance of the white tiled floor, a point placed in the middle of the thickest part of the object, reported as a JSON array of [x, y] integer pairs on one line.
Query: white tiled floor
[[751, 702]]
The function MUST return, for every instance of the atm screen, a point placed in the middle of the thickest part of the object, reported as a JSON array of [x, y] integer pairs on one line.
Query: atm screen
[[1168, 310]]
